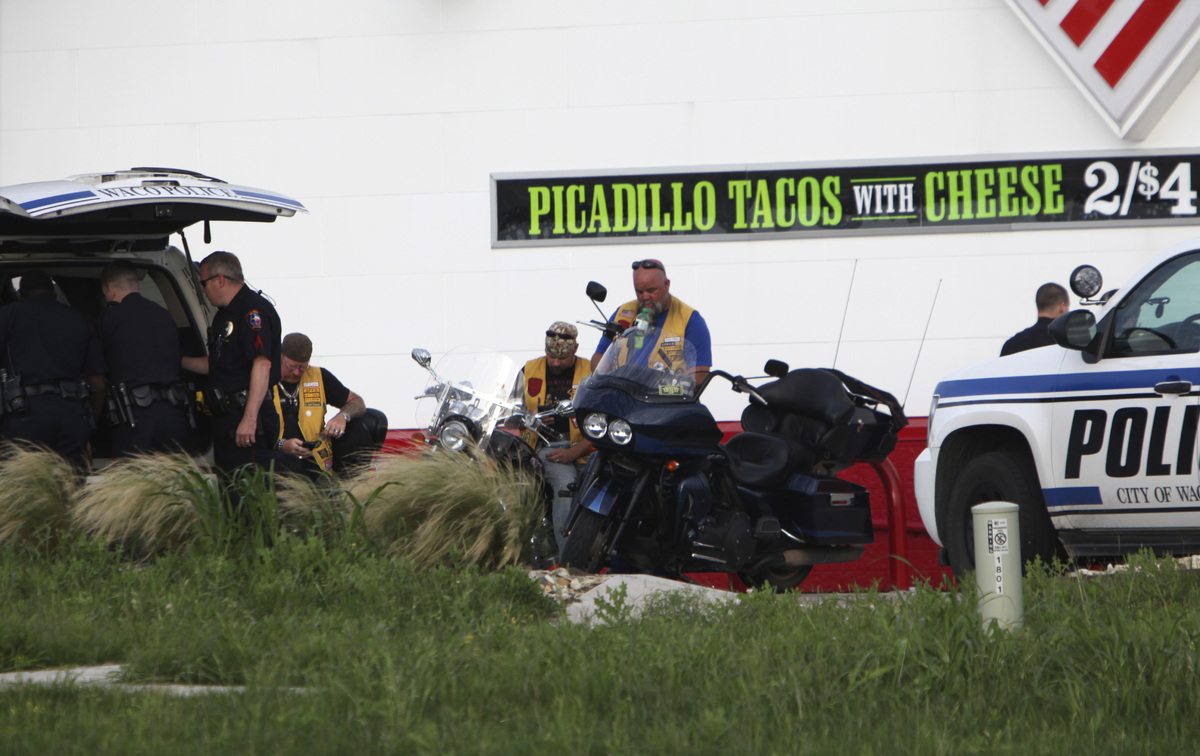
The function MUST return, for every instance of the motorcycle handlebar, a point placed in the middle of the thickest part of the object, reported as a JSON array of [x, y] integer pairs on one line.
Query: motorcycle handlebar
[[611, 330], [740, 384]]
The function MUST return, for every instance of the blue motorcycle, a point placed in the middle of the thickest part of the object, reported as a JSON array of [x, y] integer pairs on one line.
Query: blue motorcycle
[[663, 495]]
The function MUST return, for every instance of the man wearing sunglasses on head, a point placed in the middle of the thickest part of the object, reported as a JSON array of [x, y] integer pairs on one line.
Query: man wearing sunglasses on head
[[671, 314]]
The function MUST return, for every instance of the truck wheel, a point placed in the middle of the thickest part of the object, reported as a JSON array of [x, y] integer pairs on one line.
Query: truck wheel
[[999, 476], [586, 543]]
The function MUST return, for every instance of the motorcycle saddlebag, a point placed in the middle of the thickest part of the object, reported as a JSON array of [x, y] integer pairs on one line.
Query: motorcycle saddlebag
[[824, 511]]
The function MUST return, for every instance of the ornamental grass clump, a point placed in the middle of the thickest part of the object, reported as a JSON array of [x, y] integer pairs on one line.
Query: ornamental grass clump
[[146, 502], [447, 508], [321, 509], [37, 489]]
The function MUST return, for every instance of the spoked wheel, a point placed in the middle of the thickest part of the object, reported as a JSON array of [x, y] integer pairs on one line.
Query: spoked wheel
[[585, 545], [779, 580]]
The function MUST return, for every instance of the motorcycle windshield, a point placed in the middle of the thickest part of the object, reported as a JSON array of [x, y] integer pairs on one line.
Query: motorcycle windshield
[[471, 382], [653, 365]]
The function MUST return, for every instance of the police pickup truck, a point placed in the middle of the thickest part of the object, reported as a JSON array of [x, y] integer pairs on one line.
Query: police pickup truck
[[1094, 438]]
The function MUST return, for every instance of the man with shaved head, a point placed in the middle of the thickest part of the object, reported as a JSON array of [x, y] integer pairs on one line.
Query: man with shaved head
[[666, 312]]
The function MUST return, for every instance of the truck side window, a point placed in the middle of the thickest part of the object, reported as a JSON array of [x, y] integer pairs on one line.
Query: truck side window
[[1162, 314]]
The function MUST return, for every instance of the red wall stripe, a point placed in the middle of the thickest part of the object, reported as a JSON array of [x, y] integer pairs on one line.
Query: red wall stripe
[[1129, 43], [1083, 17]]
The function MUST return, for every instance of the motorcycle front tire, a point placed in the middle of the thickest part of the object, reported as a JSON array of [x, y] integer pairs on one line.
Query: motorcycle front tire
[[586, 544]]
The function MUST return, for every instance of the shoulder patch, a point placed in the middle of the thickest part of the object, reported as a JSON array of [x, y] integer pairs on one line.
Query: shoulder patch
[[254, 319]]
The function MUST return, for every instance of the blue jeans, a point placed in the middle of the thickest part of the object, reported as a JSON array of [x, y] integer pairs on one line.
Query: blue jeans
[[558, 477]]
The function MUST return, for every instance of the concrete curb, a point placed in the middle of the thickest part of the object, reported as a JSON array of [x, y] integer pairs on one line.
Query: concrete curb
[[107, 676]]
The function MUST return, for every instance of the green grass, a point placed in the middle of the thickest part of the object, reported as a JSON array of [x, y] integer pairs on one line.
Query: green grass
[[384, 614], [395, 659]]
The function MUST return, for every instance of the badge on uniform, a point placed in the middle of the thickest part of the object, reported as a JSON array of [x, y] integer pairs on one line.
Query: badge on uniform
[[228, 328], [254, 318]]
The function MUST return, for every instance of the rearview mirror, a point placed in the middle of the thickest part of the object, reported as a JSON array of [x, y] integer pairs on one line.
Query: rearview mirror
[[596, 292], [776, 368], [422, 357], [1074, 330]]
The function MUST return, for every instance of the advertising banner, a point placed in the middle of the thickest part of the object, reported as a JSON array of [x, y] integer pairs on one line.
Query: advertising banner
[[796, 201]]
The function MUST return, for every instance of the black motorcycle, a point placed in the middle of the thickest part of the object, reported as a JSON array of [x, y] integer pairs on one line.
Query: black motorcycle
[[662, 494]]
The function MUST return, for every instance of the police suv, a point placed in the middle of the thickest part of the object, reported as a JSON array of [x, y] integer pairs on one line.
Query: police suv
[[1094, 438], [72, 228]]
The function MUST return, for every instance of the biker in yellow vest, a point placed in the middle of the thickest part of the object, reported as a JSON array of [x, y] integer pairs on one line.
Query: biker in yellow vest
[[311, 418], [670, 314], [561, 461], [535, 380], [303, 393]]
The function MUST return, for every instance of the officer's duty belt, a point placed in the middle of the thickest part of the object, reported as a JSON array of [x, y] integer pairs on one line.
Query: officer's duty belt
[[221, 403], [144, 396], [67, 389]]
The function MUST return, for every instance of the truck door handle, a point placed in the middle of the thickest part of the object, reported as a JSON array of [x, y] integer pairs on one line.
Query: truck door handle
[[1173, 387]]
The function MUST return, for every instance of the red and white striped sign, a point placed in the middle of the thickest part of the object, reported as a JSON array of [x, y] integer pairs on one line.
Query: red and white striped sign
[[1131, 58]]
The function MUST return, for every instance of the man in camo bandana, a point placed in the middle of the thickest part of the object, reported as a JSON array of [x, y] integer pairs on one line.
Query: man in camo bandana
[[543, 383]]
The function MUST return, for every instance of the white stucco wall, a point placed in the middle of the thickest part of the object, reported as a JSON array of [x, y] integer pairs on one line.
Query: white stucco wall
[[387, 117]]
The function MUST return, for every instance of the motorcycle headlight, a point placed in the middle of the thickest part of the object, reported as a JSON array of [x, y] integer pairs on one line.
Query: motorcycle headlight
[[595, 425], [454, 435], [620, 432]]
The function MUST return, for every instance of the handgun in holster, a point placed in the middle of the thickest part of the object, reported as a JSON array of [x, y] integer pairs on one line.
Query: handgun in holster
[[217, 401], [120, 407], [182, 395], [12, 395]]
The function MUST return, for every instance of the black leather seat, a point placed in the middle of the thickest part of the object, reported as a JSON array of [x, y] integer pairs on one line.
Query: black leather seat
[[763, 461]]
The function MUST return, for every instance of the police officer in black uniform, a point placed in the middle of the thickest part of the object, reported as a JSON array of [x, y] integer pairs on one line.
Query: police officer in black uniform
[[50, 354], [1051, 301], [242, 363], [141, 346]]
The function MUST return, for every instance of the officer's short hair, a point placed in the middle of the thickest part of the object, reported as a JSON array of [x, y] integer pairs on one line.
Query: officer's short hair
[[35, 282], [1049, 296], [119, 275], [296, 346], [226, 264]]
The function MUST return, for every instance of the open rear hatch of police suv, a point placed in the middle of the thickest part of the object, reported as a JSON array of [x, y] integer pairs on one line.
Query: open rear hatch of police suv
[[137, 204]]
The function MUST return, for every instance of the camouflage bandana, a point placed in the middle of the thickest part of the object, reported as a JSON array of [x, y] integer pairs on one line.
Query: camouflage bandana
[[560, 340]]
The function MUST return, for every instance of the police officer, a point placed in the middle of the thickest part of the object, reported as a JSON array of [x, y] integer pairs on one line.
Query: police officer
[[300, 400], [242, 363], [141, 347], [48, 348], [1051, 302]]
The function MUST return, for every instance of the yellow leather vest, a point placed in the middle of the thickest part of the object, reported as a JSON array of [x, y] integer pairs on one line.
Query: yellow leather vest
[[312, 415], [537, 369], [670, 338]]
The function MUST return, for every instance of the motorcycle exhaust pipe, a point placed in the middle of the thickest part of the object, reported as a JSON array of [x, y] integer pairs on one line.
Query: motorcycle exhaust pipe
[[813, 556]]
